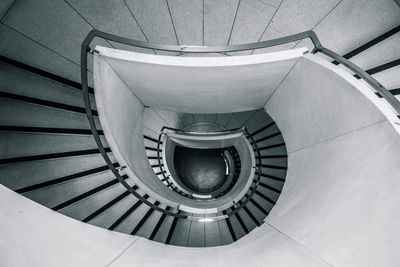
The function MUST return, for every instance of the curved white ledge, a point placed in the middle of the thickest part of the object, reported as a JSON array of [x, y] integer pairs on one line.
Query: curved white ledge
[[202, 85], [205, 141]]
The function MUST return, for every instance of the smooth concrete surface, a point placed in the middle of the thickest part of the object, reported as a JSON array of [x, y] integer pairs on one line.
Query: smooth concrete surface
[[19, 47], [109, 16], [297, 16], [154, 19], [389, 78], [379, 54], [61, 29], [319, 109], [271, 247], [341, 198], [32, 235], [201, 85], [218, 20], [187, 17], [170, 118], [252, 18], [121, 115]]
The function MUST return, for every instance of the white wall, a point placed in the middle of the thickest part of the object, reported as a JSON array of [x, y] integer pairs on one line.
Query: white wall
[[341, 196], [121, 116], [202, 85]]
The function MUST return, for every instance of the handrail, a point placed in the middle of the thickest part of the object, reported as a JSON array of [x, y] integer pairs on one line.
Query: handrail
[[186, 131], [162, 171], [85, 48], [166, 178], [256, 180]]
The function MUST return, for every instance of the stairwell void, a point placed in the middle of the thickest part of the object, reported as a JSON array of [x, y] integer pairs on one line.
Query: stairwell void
[[311, 181]]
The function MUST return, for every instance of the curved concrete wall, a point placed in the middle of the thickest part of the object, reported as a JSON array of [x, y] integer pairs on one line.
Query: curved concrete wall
[[124, 118], [121, 116], [202, 85], [340, 202], [341, 195]]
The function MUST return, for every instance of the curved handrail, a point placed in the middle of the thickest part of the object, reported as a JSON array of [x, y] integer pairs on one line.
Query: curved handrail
[[253, 189], [166, 178], [186, 131], [85, 48], [256, 180]]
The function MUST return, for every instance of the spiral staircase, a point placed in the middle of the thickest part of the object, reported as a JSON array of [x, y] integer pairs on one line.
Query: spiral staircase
[[321, 190]]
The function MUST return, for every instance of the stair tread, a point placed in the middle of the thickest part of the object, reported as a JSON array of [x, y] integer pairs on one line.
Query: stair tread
[[15, 113]]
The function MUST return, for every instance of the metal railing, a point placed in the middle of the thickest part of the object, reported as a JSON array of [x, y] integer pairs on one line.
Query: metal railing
[[160, 164], [85, 49]]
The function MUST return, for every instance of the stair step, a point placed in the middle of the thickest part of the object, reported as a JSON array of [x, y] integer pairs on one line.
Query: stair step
[[256, 215], [162, 233], [15, 113], [107, 218], [274, 172], [226, 236], [60, 193], [14, 175], [181, 233], [237, 227], [212, 233], [88, 206], [278, 185], [129, 223], [17, 81], [247, 220], [265, 204], [146, 226], [27, 144], [380, 53], [278, 150], [48, 130], [279, 160], [196, 234], [389, 78], [45, 103]]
